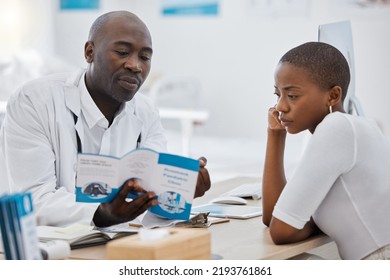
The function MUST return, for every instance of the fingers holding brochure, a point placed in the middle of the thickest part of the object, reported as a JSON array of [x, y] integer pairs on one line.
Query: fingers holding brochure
[[120, 210], [203, 183]]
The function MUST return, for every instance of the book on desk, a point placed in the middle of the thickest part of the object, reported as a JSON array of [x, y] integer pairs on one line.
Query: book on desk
[[79, 236]]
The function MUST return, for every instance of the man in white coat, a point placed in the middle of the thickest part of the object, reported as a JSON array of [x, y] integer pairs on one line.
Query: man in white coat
[[96, 110]]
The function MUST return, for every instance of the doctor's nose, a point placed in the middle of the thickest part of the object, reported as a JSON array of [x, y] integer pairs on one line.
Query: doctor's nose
[[133, 64]]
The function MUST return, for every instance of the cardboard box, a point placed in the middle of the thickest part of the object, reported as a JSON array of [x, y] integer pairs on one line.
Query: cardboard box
[[180, 244]]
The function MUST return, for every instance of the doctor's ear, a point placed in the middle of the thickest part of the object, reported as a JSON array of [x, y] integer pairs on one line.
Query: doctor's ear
[[88, 51], [335, 95]]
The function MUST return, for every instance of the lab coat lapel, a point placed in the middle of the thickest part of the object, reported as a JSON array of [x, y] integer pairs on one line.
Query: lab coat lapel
[[72, 93], [72, 100]]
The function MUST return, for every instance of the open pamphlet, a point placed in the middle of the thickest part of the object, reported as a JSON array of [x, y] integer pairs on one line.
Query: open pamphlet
[[78, 235], [172, 177]]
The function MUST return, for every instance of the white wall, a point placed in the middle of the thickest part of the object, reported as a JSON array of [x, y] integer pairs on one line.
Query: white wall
[[26, 42], [26, 24], [235, 53]]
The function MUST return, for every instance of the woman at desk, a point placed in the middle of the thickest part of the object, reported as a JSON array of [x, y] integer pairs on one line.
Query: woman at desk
[[342, 184]]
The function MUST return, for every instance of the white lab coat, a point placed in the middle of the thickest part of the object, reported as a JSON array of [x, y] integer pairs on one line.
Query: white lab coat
[[39, 147]]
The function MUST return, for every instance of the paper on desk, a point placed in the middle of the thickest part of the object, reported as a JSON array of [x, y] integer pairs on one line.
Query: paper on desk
[[146, 220], [124, 227], [149, 221], [68, 233], [253, 190], [74, 229]]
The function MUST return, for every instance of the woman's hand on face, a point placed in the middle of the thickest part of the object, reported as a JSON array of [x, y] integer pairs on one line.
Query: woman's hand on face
[[273, 120]]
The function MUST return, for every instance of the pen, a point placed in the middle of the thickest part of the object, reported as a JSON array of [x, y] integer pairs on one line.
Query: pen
[[138, 141]]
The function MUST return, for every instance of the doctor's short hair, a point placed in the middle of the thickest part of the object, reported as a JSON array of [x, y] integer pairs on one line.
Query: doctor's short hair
[[101, 21], [325, 64]]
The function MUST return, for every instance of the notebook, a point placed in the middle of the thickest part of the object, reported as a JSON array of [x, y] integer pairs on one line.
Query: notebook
[[79, 236]]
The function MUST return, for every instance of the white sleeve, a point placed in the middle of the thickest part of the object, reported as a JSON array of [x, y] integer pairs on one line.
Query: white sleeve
[[27, 149], [329, 153], [30, 161]]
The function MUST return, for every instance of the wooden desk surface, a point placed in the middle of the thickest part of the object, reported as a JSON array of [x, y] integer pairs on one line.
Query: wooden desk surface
[[238, 239]]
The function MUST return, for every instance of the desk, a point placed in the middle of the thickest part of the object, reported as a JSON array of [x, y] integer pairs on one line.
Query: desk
[[237, 239]]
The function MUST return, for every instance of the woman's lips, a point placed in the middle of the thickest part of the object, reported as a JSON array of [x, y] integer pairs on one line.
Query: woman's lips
[[285, 122]]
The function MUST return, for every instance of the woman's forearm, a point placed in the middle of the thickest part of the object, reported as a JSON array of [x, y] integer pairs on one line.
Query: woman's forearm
[[274, 178]]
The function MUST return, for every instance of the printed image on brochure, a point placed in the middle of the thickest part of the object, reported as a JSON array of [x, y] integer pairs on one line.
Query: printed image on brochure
[[172, 177]]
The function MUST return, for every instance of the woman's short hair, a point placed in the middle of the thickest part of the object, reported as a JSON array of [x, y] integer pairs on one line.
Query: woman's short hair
[[325, 64]]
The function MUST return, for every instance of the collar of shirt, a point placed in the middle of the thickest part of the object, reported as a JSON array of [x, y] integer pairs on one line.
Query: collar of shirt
[[90, 111], [92, 114], [96, 135]]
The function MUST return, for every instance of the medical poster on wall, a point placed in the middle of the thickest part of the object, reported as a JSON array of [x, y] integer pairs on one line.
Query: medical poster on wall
[[79, 4], [190, 7]]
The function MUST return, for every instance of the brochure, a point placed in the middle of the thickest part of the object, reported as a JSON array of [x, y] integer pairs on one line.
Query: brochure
[[18, 227], [172, 177]]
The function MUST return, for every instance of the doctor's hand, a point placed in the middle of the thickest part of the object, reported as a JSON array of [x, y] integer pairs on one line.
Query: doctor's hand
[[273, 120], [119, 210], [203, 184]]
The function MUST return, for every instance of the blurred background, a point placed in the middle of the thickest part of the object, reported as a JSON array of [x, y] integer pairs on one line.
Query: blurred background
[[224, 51]]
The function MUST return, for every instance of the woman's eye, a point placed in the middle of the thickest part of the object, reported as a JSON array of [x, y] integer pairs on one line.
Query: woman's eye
[[277, 95]]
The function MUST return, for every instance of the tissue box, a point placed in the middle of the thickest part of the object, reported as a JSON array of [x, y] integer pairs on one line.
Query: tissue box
[[180, 244]]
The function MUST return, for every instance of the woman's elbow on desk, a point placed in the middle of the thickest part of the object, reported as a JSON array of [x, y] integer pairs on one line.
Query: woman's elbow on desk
[[279, 239], [282, 233], [278, 235]]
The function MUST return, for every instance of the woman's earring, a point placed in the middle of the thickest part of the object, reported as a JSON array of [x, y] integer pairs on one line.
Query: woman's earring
[[330, 109]]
